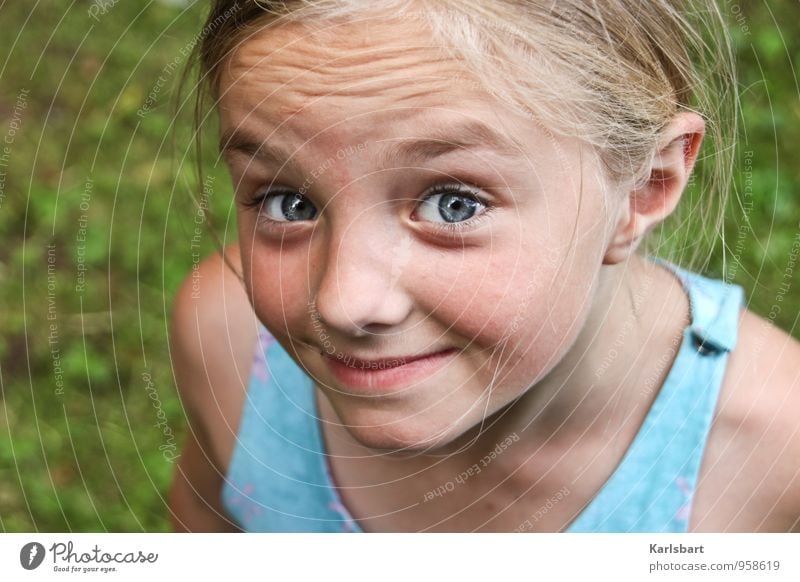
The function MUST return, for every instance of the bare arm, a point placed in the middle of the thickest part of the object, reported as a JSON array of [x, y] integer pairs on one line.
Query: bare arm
[[212, 336], [194, 497]]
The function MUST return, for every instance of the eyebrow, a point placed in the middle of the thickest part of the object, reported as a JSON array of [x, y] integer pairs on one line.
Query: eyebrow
[[443, 140]]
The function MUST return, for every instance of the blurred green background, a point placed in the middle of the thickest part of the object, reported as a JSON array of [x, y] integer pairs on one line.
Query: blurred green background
[[96, 216]]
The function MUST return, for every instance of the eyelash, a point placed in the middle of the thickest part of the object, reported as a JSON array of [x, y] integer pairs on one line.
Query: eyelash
[[452, 228]]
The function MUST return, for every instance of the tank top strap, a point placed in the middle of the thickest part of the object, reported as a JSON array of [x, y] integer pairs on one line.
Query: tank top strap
[[715, 307], [652, 488], [278, 478]]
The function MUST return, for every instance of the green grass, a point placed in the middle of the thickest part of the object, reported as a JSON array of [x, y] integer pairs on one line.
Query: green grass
[[81, 453]]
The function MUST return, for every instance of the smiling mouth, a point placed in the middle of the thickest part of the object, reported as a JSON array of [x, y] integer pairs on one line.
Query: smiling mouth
[[385, 376], [353, 362]]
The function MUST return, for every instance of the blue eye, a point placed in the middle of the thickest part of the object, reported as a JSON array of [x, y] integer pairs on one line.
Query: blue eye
[[288, 207], [450, 204]]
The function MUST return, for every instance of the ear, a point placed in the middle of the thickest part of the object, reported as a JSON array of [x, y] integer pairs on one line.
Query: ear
[[649, 204]]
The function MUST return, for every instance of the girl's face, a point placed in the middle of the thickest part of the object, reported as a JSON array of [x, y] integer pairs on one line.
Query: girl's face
[[388, 209]]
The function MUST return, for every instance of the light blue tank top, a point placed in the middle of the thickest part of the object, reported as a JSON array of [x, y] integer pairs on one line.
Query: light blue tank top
[[279, 478]]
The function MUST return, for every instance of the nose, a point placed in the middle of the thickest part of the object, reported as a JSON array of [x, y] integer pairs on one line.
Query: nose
[[360, 290]]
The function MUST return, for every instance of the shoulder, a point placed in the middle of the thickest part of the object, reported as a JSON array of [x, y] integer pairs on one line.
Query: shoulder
[[212, 299], [212, 337], [765, 376], [756, 444]]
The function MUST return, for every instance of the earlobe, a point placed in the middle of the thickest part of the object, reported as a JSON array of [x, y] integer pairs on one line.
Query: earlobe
[[651, 203], [623, 240]]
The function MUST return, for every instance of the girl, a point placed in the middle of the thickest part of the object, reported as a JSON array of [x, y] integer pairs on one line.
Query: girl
[[438, 316]]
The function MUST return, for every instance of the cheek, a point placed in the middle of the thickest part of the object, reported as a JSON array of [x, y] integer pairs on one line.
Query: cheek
[[477, 291], [277, 282], [521, 314], [520, 304]]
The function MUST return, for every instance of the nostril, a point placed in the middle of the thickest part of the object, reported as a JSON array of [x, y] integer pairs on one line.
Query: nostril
[[324, 325]]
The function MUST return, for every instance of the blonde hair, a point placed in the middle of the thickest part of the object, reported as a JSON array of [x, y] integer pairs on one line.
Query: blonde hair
[[612, 73]]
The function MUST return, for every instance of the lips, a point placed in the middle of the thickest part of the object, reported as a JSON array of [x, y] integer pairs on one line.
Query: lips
[[380, 363], [384, 375]]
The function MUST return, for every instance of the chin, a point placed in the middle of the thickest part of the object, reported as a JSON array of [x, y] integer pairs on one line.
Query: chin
[[395, 432]]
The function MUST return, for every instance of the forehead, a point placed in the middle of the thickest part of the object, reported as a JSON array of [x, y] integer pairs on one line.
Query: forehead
[[308, 78], [294, 89]]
